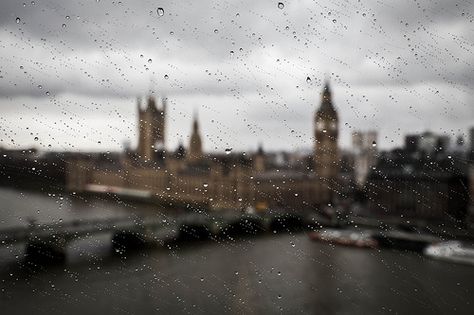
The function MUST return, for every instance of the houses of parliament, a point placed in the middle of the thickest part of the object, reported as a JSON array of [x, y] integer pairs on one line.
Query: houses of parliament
[[190, 177]]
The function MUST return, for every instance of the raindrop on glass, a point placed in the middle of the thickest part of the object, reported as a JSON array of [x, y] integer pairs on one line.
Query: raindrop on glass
[[160, 11], [228, 150], [280, 5], [18, 20]]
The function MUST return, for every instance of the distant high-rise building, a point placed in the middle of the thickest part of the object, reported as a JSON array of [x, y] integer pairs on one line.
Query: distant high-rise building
[[365, 149], [326, 154], [427, 142], [151, 128], [411, 143], [195, 144], [259, 160]]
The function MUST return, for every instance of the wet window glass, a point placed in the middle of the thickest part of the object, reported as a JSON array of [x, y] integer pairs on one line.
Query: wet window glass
[[239, 157]]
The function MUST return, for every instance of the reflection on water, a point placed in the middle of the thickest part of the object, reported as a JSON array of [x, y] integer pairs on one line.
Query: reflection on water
[[284, 273]]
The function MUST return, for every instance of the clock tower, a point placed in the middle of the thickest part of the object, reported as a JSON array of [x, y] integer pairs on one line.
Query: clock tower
[[326, 153]]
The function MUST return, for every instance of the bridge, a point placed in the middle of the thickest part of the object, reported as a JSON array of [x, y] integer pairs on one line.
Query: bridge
[[51, 240]]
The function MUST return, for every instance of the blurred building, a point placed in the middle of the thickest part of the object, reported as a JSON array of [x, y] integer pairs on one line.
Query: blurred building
[[31, 169], [418, 187], [427, 143], [230, 180], [365, 150], [151, 128]]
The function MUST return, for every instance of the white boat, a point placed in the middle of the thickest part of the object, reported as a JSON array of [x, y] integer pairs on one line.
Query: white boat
[[345, 237], [453, 251]]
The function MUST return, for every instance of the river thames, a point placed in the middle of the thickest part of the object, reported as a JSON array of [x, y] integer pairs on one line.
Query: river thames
[[271, 273]]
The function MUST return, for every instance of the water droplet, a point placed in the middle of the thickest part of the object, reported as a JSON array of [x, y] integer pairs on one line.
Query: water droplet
[[216, 31], [36, 138], [334, 21], [18, 20], [228, 150], [231, 53], [292, 244], [279, 296], [67, 17], [150, 61], [64, 25], [160, 11], [374, 144], [308, 80], [166, 77], [280, 5], [205, 185], [296, 194], [40, 86]]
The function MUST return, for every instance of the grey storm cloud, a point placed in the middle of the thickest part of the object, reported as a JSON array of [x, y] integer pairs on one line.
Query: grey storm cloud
[[70, 68]]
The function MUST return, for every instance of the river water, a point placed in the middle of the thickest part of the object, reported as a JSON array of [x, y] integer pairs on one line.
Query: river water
[[272, 273]]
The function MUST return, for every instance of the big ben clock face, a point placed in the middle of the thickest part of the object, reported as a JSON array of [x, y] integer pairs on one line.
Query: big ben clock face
[[320, 125]]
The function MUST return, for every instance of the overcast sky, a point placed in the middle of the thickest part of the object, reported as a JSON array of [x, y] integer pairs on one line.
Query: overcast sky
[[70, 71]]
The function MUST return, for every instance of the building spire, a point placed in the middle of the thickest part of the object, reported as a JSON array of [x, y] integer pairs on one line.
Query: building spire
[[195, 145], [326, 91], [195, 122]]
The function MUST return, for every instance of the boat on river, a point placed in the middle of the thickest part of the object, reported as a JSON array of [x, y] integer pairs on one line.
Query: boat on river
[[363, 239], [453, 251]]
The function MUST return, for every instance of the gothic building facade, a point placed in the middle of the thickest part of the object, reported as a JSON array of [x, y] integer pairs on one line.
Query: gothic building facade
[[217, 181], [151, 128]]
